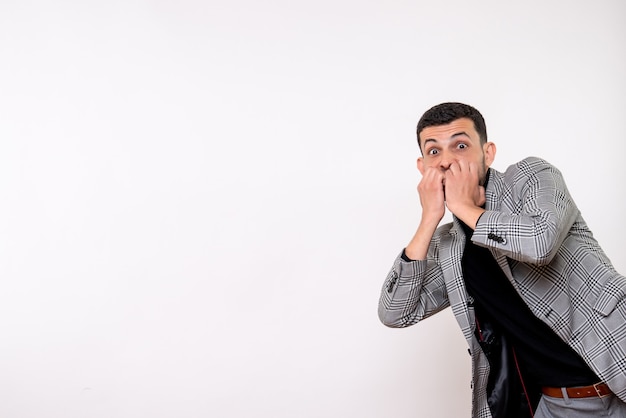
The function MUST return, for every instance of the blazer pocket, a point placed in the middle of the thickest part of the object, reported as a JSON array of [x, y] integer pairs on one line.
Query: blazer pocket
[[612, 292]]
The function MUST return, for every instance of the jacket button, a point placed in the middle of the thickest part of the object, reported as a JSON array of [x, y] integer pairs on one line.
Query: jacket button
[[392, 283], [496, 238]]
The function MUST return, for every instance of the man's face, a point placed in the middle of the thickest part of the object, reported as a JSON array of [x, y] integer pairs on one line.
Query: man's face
[[444, 145]]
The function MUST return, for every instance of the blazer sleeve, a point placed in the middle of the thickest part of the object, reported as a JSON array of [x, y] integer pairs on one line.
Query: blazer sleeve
[[535, 215], [412, 291]]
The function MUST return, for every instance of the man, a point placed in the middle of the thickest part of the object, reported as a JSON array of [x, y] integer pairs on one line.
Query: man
[[538, 301]]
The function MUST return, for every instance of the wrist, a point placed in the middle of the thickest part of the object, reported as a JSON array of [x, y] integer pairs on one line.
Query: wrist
[[469, 215], [417, 249]]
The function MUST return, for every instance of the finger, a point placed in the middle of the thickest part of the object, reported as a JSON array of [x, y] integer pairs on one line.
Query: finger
[[454, 167], [431, 180], [433, 174], [481, 196]]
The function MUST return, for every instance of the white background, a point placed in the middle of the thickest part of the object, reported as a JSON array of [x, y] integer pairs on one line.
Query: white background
[[199, 201]]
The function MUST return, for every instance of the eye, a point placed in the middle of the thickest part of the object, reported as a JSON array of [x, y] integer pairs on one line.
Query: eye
[[461, 146], [432, 151]]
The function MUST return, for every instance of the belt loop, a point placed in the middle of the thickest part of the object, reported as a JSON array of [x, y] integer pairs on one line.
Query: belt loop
[[566, 398]]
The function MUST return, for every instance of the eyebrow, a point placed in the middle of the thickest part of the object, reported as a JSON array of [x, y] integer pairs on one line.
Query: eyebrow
[[453, 136], [462, 133]]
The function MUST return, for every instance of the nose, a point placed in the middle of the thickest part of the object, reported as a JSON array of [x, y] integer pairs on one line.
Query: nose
[[445, 161]]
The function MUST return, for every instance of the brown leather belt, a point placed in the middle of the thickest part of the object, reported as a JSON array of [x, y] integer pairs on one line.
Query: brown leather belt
[[599, 389]]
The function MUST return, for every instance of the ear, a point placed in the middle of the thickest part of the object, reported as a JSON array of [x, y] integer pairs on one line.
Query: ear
[[420, 165], [489, 149]]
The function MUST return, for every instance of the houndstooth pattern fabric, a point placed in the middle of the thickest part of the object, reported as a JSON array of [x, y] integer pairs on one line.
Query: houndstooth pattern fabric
[[538, 236]]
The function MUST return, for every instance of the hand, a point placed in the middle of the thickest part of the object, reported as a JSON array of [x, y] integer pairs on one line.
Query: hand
[[463, 192], [431, 194], [430, 190]]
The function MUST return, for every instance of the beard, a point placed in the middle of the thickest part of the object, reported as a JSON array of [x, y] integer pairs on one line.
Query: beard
[[482, 176]]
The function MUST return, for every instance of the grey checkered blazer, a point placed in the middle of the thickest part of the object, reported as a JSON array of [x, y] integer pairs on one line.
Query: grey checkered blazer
[[536, 233]]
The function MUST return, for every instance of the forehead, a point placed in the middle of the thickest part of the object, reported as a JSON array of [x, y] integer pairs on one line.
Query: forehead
[[440, 132]]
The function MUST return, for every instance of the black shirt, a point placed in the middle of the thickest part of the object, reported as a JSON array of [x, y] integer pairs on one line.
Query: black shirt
[[543, 355]]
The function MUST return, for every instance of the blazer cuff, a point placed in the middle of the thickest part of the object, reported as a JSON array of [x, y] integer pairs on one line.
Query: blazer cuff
[[404, 256]]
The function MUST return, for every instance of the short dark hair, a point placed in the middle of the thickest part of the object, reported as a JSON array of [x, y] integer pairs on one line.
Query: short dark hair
[[445, 113]]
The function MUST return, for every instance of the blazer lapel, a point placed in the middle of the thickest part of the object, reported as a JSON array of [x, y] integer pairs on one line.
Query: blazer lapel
[[452, 245]]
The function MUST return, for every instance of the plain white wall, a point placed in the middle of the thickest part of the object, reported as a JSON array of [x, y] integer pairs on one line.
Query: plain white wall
[[199, 201]]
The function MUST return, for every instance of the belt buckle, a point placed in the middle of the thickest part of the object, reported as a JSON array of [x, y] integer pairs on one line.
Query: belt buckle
[[600, 395]]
